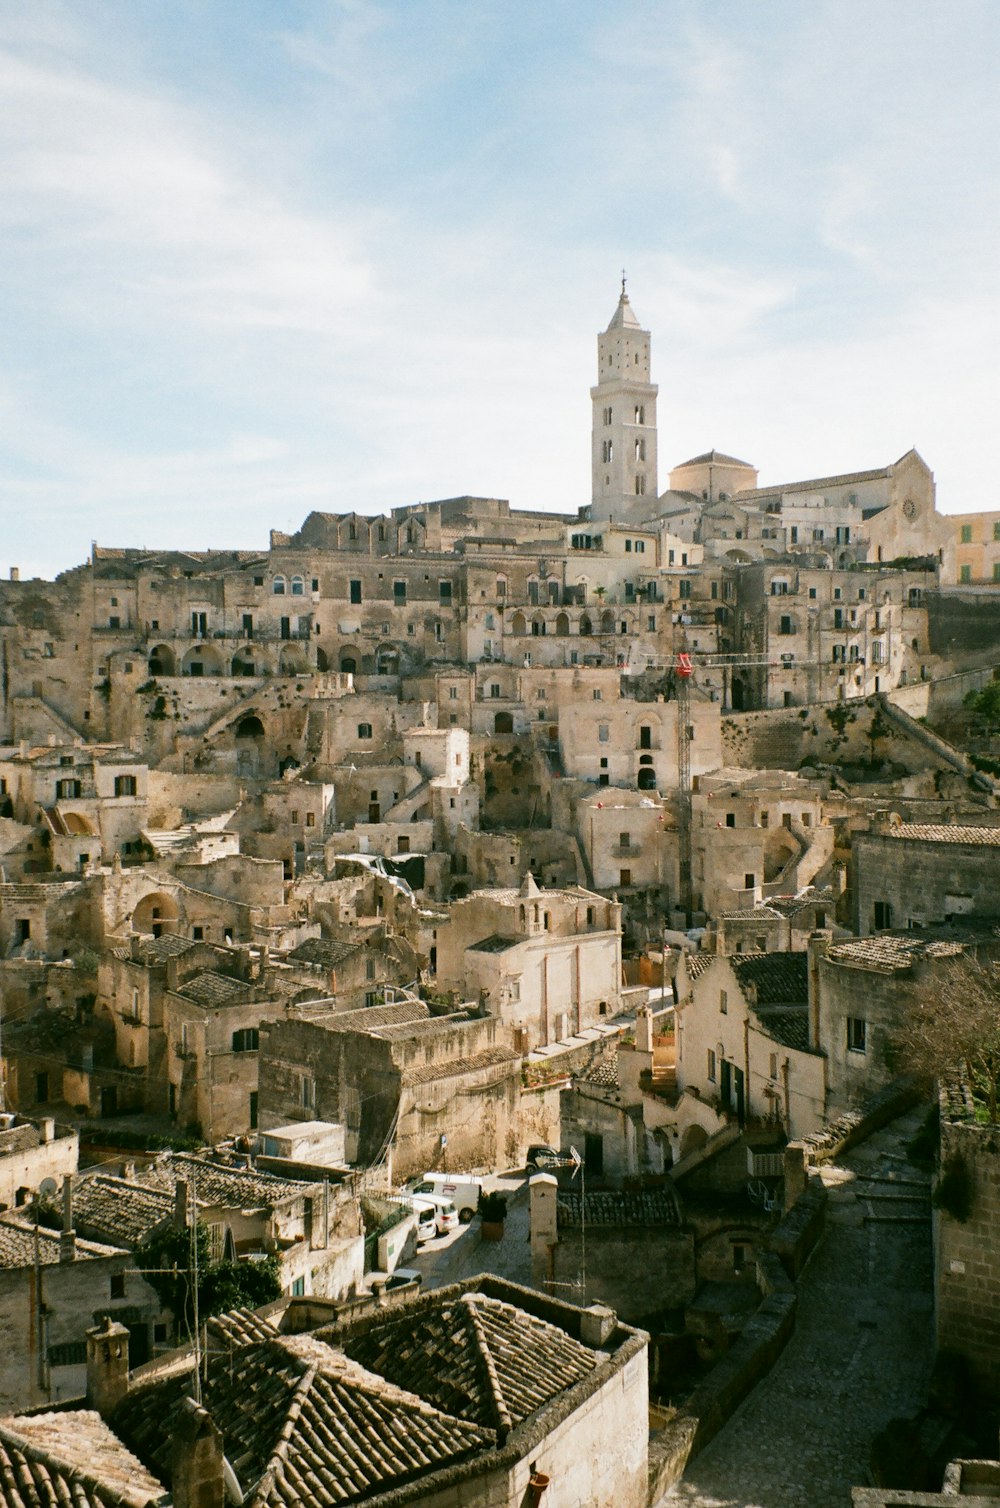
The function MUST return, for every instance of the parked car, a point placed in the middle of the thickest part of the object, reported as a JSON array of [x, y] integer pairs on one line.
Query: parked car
[[541, 1157], [402, 1276], [445, 1213], [462, 1189], [426, 1219]]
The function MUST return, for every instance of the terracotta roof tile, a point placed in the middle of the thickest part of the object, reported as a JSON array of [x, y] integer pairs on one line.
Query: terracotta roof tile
[[775, 978], [17, 1245], [305, 1424], [119, 1210], [944, 832], [70, 1460], [475, 1356]]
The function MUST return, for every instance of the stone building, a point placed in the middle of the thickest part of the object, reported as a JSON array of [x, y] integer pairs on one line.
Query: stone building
[[546, 962], [33, 1153], [559, 1399], [52, 1286], [424, 1091], [966, 1262], [743, 1038], [916, 874]]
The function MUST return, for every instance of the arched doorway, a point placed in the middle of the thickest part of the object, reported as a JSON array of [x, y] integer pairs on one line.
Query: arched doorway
[[162, 661], [202, 659], [562, 625], [607, 622], [157, 913], [518, 624], [585, 626], [322, 661], [738, 694], [348, 665], [647, 778], [243, 662], [503, 723]]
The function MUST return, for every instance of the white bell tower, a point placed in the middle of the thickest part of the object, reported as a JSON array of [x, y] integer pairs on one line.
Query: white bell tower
[[623, 436]]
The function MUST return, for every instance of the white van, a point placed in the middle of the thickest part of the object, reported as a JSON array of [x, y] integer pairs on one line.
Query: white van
[[461, 1188], [426, 1219], [445, 1213]]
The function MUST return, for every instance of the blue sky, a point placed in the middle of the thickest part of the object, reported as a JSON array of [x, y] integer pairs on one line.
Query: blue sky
[[261, 258]]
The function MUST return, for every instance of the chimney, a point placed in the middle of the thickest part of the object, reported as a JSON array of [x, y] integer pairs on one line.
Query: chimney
[[135, 947], [544, 1235], [67, 1219], [644, 1029], [817, 948], [196, 1462], [170, 972], [596, 1324], [67, 1246], [107, 1366], [46, 1129], [15, 573], [181, 1217]]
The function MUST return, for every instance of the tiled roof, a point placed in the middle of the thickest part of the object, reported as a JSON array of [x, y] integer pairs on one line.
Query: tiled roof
[[119, 1209], [627, 1207], [750, 914], [494, 944], [319, 950], [370, 1017], [698, 964], [212, 989], [240, 1327], [787, 1025], [890, 954], [604, 1074], [475, 1356], [490, 1057], [153, 950], [816, 482], [214, 1184], [776, 978], [305, 1424], [70, 1460], [18, 1245], [933, 832], [716, 458]]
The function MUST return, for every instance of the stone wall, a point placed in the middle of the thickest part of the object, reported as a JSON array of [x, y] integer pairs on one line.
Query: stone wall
[[967, 1252]]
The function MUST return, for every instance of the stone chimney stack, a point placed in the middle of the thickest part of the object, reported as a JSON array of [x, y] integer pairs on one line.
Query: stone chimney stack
[[596, 1324], [818, 946], [544, 1234], [197, 1460], [181, 1206], [67, 1237], [644, 1029], [107, 1366]]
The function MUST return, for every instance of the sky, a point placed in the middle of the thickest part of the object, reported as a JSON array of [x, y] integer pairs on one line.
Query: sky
[[260, 258]]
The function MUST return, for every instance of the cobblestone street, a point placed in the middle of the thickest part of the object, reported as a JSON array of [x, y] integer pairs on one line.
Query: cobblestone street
[[860, 1354]]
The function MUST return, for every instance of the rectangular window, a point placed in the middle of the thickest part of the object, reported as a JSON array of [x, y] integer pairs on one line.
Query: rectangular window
[[124, 785], [723, 1003], [684, 590], [355, 591], [965, 573], [444, 592], [966, 534], [603, 733], [628, 547], [310, 819], [364, 730], [248, 625], [710, 1067], [117, 1285], [399, 593], [749, 882], [246, 1039], [857, 1034]]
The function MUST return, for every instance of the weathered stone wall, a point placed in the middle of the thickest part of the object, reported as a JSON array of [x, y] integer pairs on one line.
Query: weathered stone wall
[[916, 878], [786, 738], [967, 1252]]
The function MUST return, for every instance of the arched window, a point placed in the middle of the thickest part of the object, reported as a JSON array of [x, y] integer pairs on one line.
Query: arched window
[[585, 626], [298, 586], [278, 587]]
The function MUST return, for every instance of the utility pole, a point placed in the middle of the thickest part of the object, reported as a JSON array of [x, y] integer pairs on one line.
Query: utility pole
[[684, 669]]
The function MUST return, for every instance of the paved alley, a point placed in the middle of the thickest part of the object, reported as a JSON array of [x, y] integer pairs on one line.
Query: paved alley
[[860, 1354]]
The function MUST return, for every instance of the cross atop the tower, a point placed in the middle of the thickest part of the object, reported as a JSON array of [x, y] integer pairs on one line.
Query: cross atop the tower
[[623, 282]]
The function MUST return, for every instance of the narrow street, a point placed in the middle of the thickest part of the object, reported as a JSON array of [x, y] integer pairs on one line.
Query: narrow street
[[860, 1355]]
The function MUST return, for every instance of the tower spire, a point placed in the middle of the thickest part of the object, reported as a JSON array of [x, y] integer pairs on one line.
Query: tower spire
[[623, 433]]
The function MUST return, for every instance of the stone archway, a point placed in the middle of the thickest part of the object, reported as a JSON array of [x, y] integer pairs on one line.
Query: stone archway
[[157, 912], [162, 661], [503, 723]]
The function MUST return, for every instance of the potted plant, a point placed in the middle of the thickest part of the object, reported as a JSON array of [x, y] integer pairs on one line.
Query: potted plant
[[493, 1213]]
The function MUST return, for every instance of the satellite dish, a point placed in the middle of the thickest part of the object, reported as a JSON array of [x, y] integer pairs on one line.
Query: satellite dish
[[48, 1187]]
